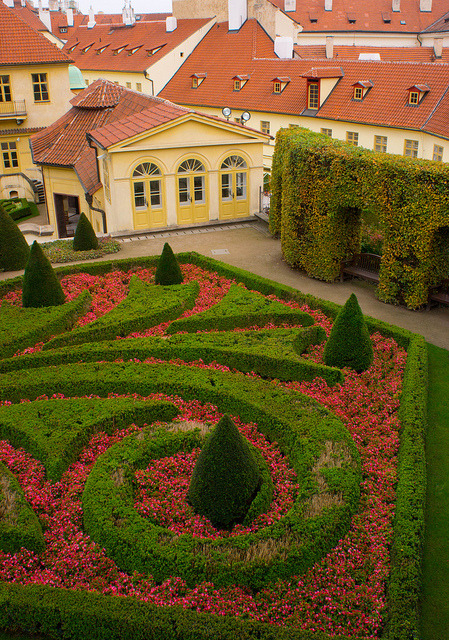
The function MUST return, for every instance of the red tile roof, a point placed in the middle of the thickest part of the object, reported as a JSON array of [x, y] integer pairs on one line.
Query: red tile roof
[[21, 44], [368, 16], [385, 104], [29, 15], [323, 72], [112, 46], [346, 52], [64, 143]]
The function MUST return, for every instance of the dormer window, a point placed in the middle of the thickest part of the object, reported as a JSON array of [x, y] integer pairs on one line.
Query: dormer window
[[63, 29], [118, 50], [86, 49], [386, 17], [133, 50], [360, 89], [239, 82], [280, 83], [151, 52], [416, 94], [351, 18], [73, 47], [313, 17], [101, 49], [197, 79], [313, 95]]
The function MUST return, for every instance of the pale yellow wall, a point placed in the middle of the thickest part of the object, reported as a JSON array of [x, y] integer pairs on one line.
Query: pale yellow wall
[[121, 77], [168, 149], [201, 9], [39, 114], [395, 142], [65, 181], [326, 86]]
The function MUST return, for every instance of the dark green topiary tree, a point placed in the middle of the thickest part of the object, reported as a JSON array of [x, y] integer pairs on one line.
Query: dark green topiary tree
[[85, 237], [14, 249], [168, 270], [226, 477], [41, 287], [349, 344]]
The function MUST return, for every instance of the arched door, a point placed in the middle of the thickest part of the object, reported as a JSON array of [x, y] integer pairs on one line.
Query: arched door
[[192, 192], [234, 201], [148, 203]]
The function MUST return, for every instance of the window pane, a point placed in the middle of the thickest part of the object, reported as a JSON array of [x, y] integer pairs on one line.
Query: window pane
[[139, 195], [313, 96], [155, 193], [198, 188], [240, 182], [226, 186], [183, 190]]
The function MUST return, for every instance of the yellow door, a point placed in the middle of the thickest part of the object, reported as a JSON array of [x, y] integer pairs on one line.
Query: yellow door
[[234, 202], [192, 192], [148, 204]]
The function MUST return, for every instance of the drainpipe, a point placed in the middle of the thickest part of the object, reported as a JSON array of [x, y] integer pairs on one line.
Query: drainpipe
[[89, 200], [145, 73]]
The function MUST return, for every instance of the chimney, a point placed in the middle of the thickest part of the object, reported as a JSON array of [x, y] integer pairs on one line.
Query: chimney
[[438, 47], [44, 16], [69, 14], [237, 14], [128, 14], [283, 47], [289, 5], [23, 3], [329, 46], [91, 24], [396, 5], [328, 5], [9, 3], [170, 24], [425, 5]]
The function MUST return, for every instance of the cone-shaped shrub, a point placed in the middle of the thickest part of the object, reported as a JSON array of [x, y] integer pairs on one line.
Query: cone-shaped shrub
[[14, 249], [41, 287], [226, 477], [168, 270], [85, 237], [349, 344]]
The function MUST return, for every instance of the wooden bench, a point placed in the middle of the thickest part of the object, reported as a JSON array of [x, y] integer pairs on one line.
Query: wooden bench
[[363, 265], [438, 294]]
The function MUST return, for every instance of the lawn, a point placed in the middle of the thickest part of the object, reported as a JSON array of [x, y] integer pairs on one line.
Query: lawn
[[102, 437]]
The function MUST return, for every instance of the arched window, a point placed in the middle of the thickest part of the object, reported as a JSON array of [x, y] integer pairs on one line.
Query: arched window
[[147, 186], [193, 185], [233, 162], [191, 165], [233, 178]]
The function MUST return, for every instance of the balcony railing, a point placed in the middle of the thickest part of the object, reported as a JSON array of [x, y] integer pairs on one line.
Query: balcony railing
[[13, 109]]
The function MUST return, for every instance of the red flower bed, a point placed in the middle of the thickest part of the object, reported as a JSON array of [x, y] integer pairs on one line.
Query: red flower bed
[[344, 593]]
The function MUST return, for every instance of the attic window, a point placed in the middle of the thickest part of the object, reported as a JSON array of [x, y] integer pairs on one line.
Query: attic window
[[239, 82], [417, 93], [351, 18], [386, 18], [133, 50], [360, 89], [86, 49], [63, 29], [101, 49], [151, 52], [197, 79], [403, 22], [73, 47], [138, 18], [279, 84], [313, 17], [118, 50]]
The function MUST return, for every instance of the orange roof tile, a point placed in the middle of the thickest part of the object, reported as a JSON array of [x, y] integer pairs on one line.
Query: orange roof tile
[[385, 104], [29, 15], [323, 72], [127, 47], [369, 16], [346, 52], [21, 44]]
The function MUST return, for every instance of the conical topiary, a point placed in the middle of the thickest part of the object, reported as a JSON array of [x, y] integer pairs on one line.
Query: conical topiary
[[168, 270], [226, 477], [41, 288], [349, 344], [14, 249], [85, 237]]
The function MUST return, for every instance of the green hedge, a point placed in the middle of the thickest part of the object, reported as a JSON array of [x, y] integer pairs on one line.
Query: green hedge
[[240, 308], [272, 353], [42, 427], [406, 550], [19, 208], [145, 306], [19, 525], [77, 615], [322, 186], [21, 328]]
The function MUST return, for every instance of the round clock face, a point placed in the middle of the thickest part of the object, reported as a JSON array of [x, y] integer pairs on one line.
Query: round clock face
[[226, 111]]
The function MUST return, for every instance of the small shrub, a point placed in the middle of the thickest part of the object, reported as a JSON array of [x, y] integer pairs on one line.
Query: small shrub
[[85, 238], [168, 270], [41, 288], [349, 344], [226, 477], [14, 249]]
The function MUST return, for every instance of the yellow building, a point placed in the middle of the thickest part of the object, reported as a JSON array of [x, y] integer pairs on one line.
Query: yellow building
[[34, 91], [145, 163]]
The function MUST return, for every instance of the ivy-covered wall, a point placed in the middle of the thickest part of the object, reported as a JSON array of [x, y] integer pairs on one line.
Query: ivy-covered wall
[[320, 188]]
